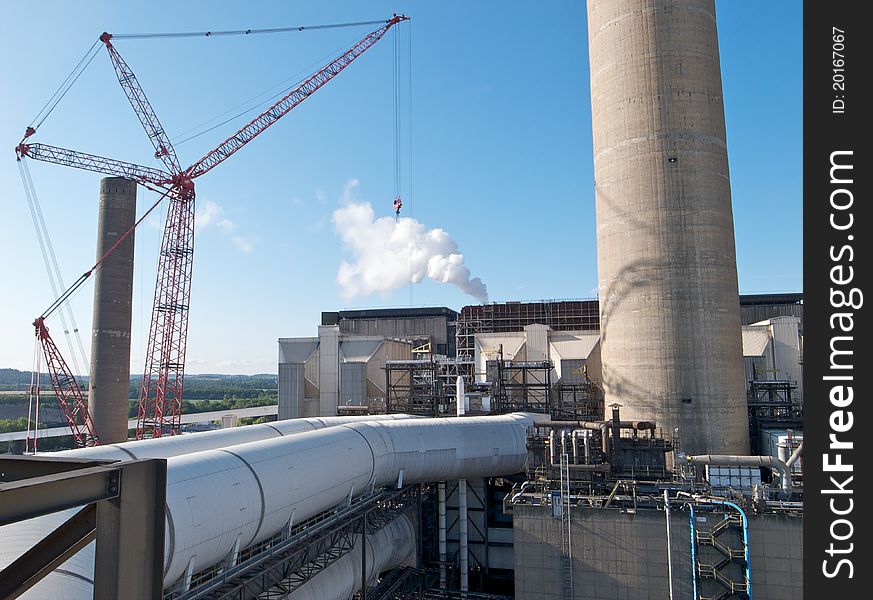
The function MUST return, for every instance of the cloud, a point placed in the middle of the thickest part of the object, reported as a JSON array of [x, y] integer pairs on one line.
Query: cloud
[[210, 214], [389, 254], [243, 244], [349, 191]]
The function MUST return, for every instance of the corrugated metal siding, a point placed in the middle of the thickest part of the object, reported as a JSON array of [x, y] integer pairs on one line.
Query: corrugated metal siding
[[572, 345], [359, 350], [296, 350], [755, 313], [291, 390], [433, 328], [353, 384], [755, 340]]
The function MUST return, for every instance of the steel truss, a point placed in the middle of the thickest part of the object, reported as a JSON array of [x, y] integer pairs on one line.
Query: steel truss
[[771, 404], [278, 566], [523, 386], [578, 402], [413, 387]]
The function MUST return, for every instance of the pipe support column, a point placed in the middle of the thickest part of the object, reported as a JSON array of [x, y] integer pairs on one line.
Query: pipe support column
[[441, 524], [462, 525]]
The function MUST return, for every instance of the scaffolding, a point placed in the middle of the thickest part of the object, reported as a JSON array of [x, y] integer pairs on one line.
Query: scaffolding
[[413, 387], [560, 315], [771, 405], [577, 402], [522, 386]]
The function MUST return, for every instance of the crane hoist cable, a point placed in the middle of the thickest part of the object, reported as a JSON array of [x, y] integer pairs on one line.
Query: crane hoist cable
[[62, 90], [50, 262], [188, 34], [297, 78], [395, 77]]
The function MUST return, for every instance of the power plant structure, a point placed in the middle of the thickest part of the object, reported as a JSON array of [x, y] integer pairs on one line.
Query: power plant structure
[[556, 450], [109, 382]]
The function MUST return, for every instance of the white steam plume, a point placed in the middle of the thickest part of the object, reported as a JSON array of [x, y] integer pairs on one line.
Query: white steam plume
[[388, 254]]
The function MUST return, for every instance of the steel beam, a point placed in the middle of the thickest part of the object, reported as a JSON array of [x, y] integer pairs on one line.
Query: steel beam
[[124, 509], [130, 534], [68, 487], [49, 553]]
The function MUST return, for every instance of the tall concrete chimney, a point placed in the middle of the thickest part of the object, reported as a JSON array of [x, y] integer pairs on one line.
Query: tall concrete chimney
[[669, 308], [113, 293]]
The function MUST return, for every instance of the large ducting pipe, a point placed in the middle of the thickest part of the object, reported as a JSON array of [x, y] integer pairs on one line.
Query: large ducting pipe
[[386, 549], [798, 452], [237, 496], [74, 578], [177, 445], [770, 462], [251, 490], [669, 305], [649, 426], [109, 382]]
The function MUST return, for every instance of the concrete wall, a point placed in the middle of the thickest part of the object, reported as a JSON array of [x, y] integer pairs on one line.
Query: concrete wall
[[618, 555], [669, 302], [109, 384]]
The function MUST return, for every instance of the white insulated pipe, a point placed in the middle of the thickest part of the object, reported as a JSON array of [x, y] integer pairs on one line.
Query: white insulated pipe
[[463, 547], [74, 579], [176, 445], [798, 452], [250, 491], [386, 549], [460, 397]]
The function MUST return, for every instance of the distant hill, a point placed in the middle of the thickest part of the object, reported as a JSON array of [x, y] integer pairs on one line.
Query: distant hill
[[197, 386]]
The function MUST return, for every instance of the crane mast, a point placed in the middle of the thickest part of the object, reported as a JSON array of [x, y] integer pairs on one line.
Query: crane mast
[[160, 402]]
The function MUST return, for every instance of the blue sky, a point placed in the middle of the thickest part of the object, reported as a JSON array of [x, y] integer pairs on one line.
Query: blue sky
[[500, 156]]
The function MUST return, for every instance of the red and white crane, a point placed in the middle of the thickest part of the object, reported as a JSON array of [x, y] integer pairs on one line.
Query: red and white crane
[[160, 402]]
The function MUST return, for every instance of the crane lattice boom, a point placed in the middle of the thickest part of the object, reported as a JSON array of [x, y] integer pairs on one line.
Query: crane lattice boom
[[70, 397]]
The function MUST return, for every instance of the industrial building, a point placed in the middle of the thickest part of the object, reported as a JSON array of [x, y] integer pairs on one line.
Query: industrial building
[[556, 343], [318, 375]]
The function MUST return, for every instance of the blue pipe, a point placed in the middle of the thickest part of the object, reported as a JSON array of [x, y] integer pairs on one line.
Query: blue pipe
[[745, 543], [693, 554]]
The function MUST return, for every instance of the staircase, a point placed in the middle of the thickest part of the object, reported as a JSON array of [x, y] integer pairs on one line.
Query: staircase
[[717, 571]]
